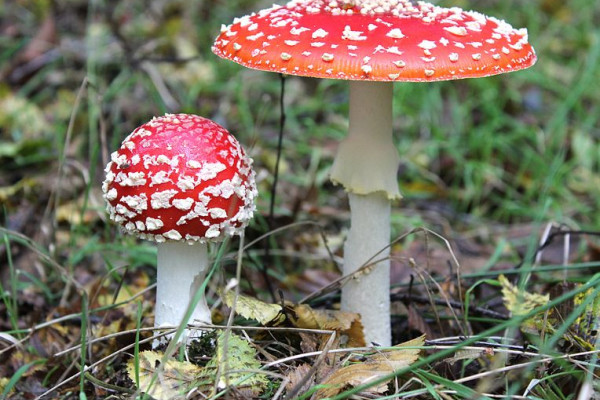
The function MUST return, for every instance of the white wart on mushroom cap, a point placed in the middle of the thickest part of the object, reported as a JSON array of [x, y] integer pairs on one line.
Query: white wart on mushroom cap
[[379, 40], [180, 177]]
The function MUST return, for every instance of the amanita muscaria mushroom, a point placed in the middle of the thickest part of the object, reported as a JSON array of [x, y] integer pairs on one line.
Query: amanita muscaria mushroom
[[373, 43], [182, 181]]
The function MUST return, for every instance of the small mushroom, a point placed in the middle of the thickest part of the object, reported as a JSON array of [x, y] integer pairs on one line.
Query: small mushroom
[[372, 43], [182, 181]]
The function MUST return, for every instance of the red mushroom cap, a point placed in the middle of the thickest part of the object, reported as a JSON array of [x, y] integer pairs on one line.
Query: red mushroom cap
[[180, 177], [378, 40]]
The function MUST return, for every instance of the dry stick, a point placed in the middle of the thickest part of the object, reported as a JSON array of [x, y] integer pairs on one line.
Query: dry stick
[[442, 293]]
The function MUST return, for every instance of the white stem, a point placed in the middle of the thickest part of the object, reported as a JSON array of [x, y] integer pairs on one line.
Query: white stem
[[367, 160], [367, 164], [369, 293], [181, 269]]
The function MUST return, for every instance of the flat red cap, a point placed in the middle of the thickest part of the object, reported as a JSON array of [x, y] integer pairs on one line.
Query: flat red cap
[[378, 40], [180, 177]]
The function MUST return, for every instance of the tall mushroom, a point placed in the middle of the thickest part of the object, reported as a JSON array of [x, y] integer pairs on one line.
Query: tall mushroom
[[365, 41], [182, 181]]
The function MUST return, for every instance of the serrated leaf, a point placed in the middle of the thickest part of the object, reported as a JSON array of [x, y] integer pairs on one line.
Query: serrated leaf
[[238, 364], [347, 323], [251, 308], [173, 380], [377, 365], [519, 302]]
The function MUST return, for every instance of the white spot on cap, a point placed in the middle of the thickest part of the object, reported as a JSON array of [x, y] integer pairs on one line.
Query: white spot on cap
[[136, 202], [395, 33], [427, 45], [193, 164], [285, 56], [394, 50], [453, 57], [429, 72], [367, 69], [476, 56], [111, 194], [255, 37], [153, 224], [349, 34], [319, 33], [183, 204], [217, 213], [172, 235], [186, 183], [298, 31], [327, 57], [162, 199], [456, 30], [132, 179], [213, 232]]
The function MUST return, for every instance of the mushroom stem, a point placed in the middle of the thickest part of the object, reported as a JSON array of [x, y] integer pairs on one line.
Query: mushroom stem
[[369, 292], [367, 164], [367, 160], [181, 269]]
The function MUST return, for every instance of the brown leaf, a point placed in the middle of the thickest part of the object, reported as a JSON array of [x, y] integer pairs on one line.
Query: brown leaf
[[345, 322], [417, 322], [296, 376], [377, 365]]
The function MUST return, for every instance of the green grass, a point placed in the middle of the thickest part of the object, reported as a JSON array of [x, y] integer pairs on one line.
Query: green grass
[[480, 158]]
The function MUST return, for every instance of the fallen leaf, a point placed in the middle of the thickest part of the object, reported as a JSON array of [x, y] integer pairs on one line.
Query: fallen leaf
[[377, 365], [300, 315], [3, 383], [251, 308], [520, 302], [304, 316], [295, 377], [169, 380], [238, 364]]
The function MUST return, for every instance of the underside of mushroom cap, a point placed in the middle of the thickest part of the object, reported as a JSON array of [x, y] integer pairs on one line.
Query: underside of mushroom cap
[[379, 40]]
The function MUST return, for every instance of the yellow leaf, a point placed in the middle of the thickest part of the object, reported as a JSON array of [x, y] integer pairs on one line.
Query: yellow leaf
[[303, 316], [238, 364], [519, 302], [251, 308], [377, 365], [169, 380], [3, 383]]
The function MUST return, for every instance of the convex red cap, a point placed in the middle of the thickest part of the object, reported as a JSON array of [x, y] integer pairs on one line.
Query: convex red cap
[[378, 40], [180, 177]]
